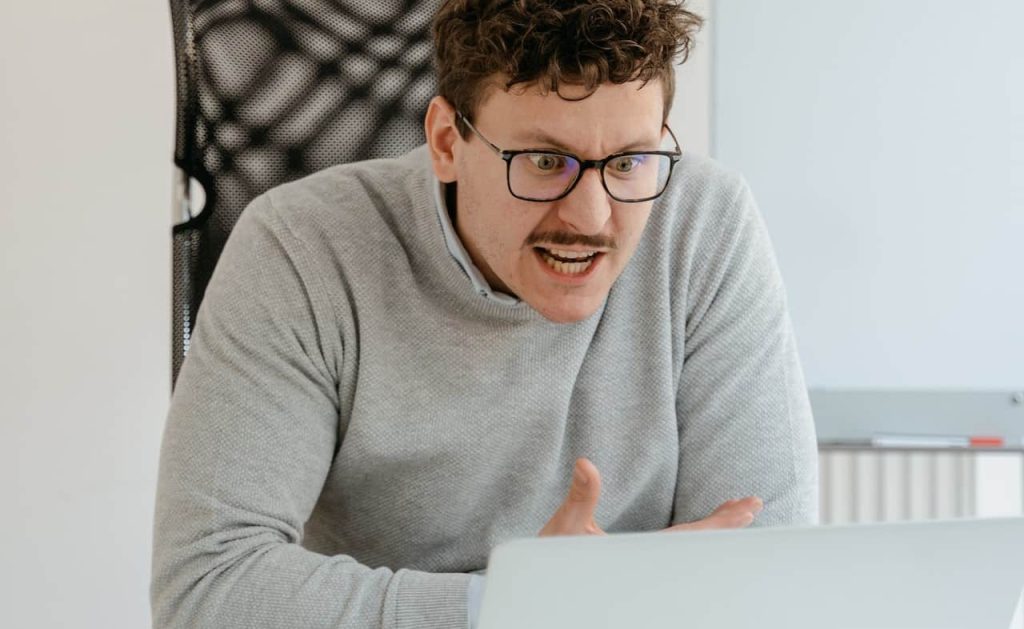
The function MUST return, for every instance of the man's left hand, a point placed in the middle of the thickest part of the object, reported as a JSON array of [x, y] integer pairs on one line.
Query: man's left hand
[[732, 514]]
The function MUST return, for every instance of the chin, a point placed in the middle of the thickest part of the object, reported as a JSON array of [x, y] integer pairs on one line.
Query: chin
[[568, 309]]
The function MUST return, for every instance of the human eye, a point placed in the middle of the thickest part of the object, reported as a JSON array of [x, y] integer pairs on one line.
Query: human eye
[[547, 162], [626, 165]]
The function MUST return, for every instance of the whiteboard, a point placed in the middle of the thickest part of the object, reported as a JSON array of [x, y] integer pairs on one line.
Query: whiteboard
[[884, 142]]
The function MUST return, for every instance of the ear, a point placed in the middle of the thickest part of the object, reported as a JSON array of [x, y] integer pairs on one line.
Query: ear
[[442, 136]]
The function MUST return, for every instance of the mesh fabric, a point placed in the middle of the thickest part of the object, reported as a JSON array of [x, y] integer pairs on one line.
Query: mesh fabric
[[271, 90]]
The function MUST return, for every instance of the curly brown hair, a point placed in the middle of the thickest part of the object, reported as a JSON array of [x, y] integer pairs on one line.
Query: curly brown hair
[[549, 43]]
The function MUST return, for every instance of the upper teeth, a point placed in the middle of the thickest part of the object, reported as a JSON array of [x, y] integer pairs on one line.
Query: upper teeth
[[572, 255]]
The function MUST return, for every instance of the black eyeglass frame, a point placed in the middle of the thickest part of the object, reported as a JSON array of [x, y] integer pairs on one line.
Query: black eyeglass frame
[[598, 164]]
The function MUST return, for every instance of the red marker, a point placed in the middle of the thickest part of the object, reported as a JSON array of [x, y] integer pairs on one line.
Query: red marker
[[986, 442]]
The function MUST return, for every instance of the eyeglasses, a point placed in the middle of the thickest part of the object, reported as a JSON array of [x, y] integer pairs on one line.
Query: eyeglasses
[[543, 175]]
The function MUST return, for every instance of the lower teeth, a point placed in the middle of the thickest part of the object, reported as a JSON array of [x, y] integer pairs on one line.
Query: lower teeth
[[568, 268]]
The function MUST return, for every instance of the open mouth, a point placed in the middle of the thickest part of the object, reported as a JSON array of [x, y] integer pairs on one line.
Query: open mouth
[[569, 263]]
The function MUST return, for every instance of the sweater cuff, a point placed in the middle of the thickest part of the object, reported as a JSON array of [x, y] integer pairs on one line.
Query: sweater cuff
[[475, 596], [431, 601]]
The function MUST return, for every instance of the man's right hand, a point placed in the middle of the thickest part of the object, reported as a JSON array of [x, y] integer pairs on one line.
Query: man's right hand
[[575, 516]]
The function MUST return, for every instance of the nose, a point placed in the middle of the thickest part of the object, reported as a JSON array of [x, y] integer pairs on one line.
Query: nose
[[587, 208]]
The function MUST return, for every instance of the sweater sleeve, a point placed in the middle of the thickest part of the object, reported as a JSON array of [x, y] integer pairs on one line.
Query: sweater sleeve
[[250, 437], [745, 424]]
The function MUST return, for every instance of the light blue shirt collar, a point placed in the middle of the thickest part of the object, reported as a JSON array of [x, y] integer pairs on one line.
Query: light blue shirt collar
[[460, 254]]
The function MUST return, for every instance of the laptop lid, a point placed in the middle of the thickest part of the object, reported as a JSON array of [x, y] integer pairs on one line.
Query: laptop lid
[[963, 574]]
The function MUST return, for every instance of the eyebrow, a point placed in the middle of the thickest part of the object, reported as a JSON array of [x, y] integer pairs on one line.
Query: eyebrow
[[544, 139]]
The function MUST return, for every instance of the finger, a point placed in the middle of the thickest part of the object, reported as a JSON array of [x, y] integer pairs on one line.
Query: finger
[[750, 503], [575, 516], [585, 488], [737, 513]]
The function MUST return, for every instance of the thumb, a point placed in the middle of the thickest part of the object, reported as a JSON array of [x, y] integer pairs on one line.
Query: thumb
[[575, 516], [584, 492]]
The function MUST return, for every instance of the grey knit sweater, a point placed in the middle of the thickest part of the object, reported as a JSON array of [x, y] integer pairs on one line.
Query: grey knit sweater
[[356, 427]]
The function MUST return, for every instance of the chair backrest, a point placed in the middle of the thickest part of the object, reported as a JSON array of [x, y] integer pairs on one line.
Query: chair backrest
[[271, 90]]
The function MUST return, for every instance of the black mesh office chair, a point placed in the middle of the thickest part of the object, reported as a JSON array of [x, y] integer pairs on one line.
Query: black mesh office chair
[[271, 90]]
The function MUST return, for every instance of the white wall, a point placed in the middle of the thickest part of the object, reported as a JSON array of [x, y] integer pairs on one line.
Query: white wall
[[690, 117], [86, 112], [885, 143]]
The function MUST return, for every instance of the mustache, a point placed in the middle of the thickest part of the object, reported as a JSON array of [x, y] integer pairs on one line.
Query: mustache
[[569, 240]]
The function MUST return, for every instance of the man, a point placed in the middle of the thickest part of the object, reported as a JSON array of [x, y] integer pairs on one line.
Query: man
[[401, 363]]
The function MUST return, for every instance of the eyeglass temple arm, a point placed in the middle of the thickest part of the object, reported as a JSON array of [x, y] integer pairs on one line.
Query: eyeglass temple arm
[[459, 116], [678, 149]]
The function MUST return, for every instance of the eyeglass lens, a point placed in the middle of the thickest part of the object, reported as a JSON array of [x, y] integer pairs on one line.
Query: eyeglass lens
[[546, 176]]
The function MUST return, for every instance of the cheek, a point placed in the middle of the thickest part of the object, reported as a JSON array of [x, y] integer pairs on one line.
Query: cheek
[[500, 233], [509, 241]]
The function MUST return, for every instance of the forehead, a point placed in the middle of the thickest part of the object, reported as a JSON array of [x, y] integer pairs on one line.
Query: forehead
[[614, 115]]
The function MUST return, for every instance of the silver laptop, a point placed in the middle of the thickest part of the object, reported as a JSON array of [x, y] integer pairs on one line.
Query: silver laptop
[[963, 574]]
